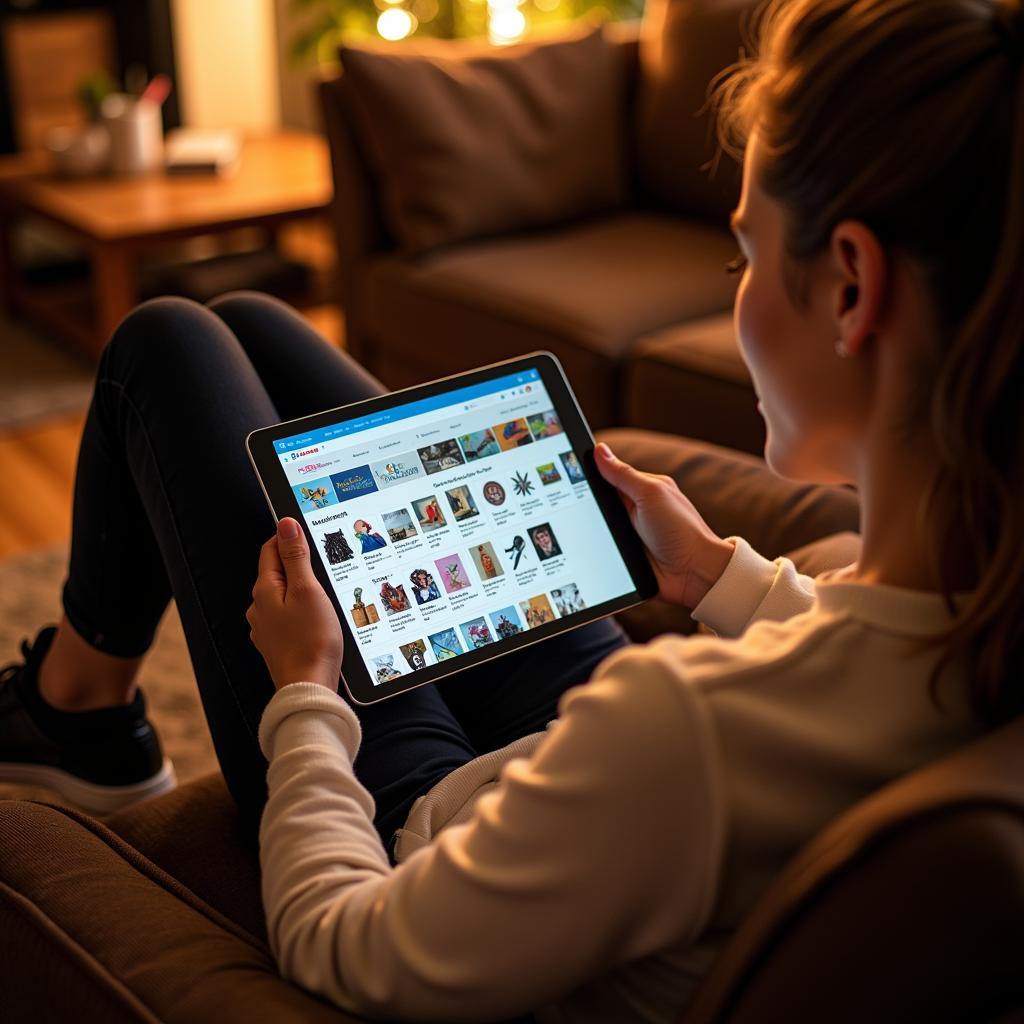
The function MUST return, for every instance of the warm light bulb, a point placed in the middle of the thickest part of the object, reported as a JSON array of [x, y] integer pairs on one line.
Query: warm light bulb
[[395, 23], [506, 26], [425, 10]]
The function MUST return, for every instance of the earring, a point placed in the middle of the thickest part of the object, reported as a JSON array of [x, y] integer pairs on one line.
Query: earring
[[841, 350]]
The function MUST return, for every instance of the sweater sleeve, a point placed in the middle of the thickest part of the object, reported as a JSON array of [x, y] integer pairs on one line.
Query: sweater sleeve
[[599, 849], [753, 588]]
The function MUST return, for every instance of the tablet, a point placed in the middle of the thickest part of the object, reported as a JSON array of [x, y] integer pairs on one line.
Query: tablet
[[454, 522]]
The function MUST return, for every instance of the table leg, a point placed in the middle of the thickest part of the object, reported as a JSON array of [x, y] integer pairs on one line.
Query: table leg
[[115, 288], [8, 272]]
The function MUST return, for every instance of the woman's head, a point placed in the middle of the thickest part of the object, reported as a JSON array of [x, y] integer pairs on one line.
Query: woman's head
[[883, 219]]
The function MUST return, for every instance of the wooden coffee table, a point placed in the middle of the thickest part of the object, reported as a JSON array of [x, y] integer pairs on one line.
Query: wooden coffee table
[[281, 177]]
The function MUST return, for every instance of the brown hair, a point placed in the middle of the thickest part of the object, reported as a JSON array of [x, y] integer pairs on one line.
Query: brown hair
[[908, 115]]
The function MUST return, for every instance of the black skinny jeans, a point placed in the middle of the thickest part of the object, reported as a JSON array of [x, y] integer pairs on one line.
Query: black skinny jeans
[[166, 504]]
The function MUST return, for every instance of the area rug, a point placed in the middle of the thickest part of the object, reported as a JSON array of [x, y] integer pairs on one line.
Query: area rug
[[30, 598], [38, 378]]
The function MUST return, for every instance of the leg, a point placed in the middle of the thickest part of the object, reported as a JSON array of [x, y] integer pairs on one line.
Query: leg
[[495, 704], [301, 371], [165, 501], [501, 702]]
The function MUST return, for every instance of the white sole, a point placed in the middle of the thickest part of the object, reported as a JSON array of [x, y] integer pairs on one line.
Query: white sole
[[89, 795]]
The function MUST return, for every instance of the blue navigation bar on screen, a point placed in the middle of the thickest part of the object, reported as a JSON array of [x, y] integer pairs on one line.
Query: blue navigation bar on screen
[[403, 412]]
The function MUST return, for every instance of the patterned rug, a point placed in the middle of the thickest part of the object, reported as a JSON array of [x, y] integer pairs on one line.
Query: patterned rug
[[30, 598]]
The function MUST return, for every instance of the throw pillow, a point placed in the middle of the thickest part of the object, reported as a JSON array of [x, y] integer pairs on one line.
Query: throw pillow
[[467, 144]]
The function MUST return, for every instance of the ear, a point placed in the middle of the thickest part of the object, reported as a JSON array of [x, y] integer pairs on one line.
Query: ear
[[862, 269]]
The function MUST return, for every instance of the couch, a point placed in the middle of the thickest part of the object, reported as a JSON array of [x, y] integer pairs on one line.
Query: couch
[[615, 263], [910, 907]]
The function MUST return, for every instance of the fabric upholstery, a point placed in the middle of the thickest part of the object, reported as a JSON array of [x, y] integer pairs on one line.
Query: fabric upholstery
[[910, 907], [220, 861], [586, 290], [583, 292], [684, 44], [690, 378], [119, 939], [470, 146]]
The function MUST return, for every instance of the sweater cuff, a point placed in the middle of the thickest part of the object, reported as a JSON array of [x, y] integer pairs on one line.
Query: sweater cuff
[[730, 604], [317, 701]]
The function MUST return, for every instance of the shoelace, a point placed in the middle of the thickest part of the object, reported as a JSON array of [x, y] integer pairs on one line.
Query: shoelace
[[8, 672]]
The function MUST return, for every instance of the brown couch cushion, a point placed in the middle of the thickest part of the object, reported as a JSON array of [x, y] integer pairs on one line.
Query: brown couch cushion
[[691, 379], [586, 293], [475, 146], [91, 931], [683, 45], [219, 863]]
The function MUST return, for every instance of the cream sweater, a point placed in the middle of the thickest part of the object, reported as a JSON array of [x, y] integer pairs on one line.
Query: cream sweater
[[593, 870]]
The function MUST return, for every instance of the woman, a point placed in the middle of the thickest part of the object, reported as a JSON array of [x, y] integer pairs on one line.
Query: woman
[[423, 586], [881, 224]]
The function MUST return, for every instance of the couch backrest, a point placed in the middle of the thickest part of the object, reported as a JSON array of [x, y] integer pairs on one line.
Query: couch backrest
[[683, 45], [361, 227], [910, 907]]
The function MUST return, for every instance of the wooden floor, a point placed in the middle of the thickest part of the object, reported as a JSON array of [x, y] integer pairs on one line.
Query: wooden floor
[[37, 468]]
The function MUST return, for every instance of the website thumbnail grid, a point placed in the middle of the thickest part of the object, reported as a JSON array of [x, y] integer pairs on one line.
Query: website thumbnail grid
[[457, 528]]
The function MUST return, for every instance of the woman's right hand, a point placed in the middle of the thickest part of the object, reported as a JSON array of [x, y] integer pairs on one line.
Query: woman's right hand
[[687, 556]]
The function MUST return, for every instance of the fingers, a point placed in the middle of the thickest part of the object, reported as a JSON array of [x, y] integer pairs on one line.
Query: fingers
[[270, 578], [630, 482], [294, 555], [270, 559]]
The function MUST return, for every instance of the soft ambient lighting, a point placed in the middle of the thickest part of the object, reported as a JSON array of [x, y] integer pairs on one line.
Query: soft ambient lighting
[[395, 23], [506, 25]]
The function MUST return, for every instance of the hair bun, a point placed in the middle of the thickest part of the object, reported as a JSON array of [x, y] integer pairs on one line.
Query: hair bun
[[1009, 24]]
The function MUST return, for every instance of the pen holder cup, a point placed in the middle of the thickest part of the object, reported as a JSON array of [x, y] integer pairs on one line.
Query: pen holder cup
[[136, 134]]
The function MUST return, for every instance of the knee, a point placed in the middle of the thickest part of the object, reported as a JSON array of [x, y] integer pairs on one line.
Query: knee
[[245, 302], [253, 315], [158, 336]]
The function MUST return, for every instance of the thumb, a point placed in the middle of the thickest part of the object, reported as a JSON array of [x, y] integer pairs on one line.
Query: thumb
[[621, 475], [291, 546]]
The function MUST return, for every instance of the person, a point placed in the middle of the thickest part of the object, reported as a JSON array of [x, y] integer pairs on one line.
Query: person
[[433, 513], [596, 866], [545, 543], [368, 538], [424, 587]]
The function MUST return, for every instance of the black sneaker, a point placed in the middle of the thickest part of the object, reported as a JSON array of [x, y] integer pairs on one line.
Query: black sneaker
[[101, 760]]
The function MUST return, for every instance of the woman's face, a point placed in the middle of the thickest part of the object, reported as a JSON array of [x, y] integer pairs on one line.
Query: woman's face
[[813, 415]]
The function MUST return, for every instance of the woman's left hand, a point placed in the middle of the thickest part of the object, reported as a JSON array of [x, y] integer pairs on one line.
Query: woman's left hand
[[294, 625]]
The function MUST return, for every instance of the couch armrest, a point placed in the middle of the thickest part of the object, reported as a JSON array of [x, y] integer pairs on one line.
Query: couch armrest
[[220, 861], [91, 931], [355, 210]]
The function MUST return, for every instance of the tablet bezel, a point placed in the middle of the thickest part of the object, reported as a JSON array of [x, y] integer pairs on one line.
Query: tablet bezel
[[260, 445]]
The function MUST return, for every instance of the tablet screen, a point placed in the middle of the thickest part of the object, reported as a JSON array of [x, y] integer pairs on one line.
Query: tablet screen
[[453, 522]]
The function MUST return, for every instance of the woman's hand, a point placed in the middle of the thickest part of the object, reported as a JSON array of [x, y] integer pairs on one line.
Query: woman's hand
[[294, 625], [687, 556]]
